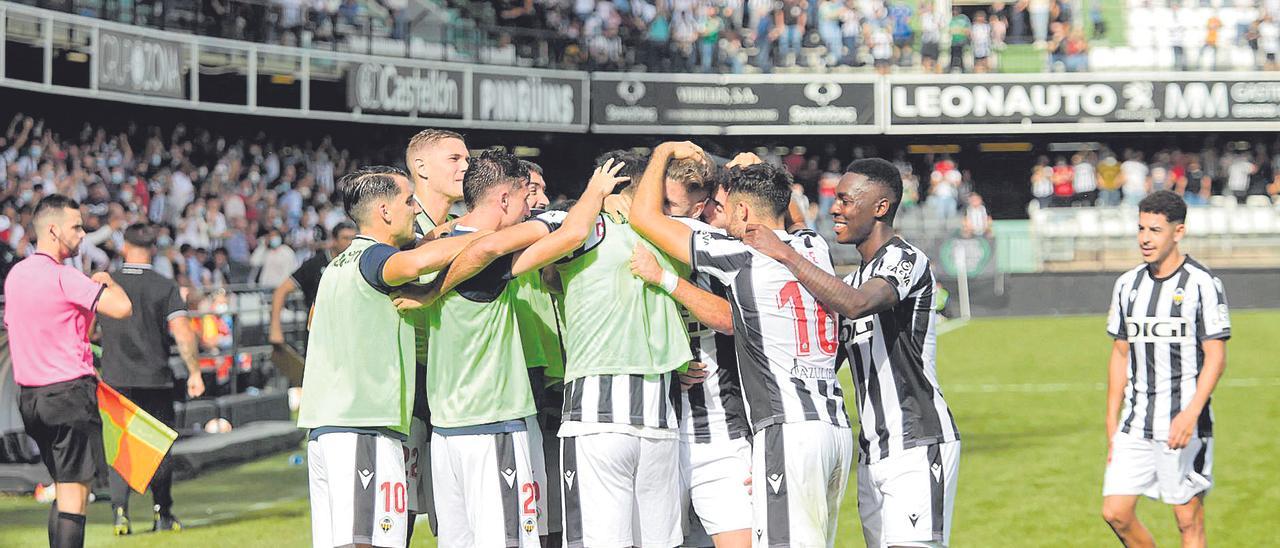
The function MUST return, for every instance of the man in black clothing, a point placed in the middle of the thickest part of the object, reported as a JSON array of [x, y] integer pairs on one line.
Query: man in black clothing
[[307, 277], [135, 361]]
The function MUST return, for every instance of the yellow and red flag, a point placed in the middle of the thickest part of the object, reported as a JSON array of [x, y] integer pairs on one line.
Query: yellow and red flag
[[135, 441]]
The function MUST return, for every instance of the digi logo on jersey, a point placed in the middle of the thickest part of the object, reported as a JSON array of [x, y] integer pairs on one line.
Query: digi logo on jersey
[[857, 331], [1158, 330]]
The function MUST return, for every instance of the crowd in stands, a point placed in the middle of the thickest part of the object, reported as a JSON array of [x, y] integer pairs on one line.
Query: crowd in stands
[[228, 212], [1104, 178]]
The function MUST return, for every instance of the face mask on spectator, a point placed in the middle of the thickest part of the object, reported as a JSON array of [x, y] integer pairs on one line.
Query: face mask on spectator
[[164, 241], [254, 177], [35, 152], [275, 242], [117, 177], [126, 195], [155, 160], [26, 196]]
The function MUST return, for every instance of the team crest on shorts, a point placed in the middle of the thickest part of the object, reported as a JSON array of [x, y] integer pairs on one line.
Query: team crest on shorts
[[529, 525], [386, 524]]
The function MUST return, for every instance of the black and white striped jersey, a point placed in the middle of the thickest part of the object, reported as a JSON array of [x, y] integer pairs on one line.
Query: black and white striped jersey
[[633, 400], [1165, 322], [784, 340], [712, 410], [893, 357]]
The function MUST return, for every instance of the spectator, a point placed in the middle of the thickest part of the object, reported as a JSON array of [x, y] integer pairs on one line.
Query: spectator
[[903, 36], [1099, 23], [1269, 41], [1209, 51], [1084, 182], [977, 222], [709, 29], [1195, 185], [1057, 47], [958, 28], [881, 42], [930, 35], [1039, 12], [1137, 182], [274, 259], [1077, 52], [944, 188], [1178, 37], [1063, 183], [851, 34], [830, 13], [1042, 182], [790, 17], [981, 38], [1109, 181]]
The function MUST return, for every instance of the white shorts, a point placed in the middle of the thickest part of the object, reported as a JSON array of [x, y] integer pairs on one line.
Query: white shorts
[[488, 488], [358, 492], [798, 476], [908, 499], [715, 476], [1148, 467], [620, 490]]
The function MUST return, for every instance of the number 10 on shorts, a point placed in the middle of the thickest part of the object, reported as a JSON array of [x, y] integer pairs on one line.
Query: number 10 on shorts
[[393, 496]]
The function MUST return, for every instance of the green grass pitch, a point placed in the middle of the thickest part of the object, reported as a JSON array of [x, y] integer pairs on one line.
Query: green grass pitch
[[1028, 397]]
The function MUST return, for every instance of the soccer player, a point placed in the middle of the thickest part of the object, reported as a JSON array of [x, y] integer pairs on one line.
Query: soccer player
[[910, 448], [48, 311], [785, 345], [437, 160], [1170, 323], [623, 340], [135, 361], [715, 447], [358, 387], [486, 463], [539, 322]]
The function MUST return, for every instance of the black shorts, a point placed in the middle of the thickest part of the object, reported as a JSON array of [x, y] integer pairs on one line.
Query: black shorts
[[929, 50], [63, 420]]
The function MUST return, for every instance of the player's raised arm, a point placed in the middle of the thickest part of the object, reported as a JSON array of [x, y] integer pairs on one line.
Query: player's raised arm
[[576, 227], [709, 309], [669, 235], [851, 302], [407, 266]]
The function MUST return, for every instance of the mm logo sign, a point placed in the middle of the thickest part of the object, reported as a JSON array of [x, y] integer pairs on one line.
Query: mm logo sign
[[1159, 330]]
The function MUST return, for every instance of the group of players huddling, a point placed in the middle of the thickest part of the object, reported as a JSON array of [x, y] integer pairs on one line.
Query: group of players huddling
[[674, 334]]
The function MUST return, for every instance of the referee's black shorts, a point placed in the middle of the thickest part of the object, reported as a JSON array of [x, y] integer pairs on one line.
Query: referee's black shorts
[[63, 420]]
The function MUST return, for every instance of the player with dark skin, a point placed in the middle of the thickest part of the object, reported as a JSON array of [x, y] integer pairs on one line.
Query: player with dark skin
[[863, 215]]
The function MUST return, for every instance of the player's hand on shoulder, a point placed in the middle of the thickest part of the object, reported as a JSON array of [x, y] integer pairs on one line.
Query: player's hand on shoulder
[[413, 297], [102, 278], [765, 241], [605, 178], [645, 266], [696, 373]]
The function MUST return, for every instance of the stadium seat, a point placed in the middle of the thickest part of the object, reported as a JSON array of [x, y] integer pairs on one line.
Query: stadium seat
[[1197, 221], [1089, 221], [1257, 201], [1219, 221], [1264, 221]]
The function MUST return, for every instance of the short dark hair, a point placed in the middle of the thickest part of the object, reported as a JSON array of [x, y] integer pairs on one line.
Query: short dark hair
[[531, 167], [344, 225], [1164, 202], [140, 235], [367, 184], [767, 184], [880, 172], [491, 168], [633, 167], [53, 203]]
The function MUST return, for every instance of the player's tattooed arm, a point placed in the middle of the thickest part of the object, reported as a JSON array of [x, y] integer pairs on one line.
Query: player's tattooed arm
[[1183, 425], [851, 302], [1117, 377], [407, 266], [577, 226], [669, 235], [709, 309]]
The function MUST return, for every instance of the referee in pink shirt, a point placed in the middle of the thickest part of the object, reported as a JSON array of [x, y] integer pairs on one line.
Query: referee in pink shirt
[[48, 312]]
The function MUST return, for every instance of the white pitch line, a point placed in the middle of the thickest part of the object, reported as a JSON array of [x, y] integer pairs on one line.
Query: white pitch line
[[219, 517], [1031, 388]]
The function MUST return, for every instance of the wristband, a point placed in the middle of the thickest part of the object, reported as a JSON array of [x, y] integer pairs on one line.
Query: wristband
[[669, 281]]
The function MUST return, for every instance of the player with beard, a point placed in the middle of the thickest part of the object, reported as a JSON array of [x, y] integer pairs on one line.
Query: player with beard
[[910, 447], [784, 345]]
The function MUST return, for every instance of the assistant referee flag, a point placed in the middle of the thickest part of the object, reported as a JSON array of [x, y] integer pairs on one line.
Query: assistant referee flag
[[135, 442]]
